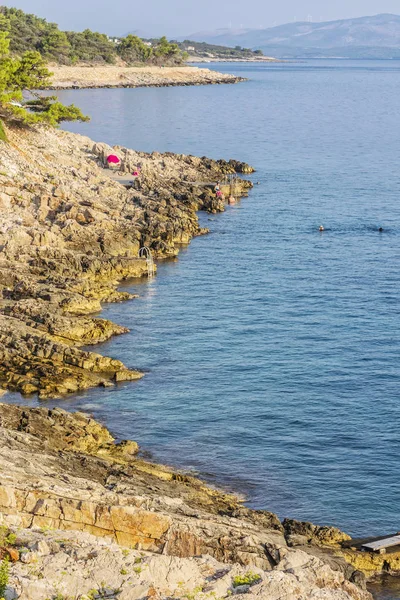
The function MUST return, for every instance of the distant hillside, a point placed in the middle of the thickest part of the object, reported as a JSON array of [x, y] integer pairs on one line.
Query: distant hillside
[[365, 37]]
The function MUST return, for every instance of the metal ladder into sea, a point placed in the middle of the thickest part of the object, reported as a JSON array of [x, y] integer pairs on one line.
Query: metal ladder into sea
[[233, 183], [145, 252], [231, 180]]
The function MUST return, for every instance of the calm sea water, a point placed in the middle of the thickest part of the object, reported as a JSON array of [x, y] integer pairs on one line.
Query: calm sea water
[[271, 349]]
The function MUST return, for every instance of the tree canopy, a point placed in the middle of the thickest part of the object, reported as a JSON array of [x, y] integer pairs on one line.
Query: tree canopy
[[90, 46], [30, 33], [28, 43], [132, 49], [19, 77], [158, 52]]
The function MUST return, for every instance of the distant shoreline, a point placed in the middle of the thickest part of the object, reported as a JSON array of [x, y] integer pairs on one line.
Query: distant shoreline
[[91, 77], [261, 59]]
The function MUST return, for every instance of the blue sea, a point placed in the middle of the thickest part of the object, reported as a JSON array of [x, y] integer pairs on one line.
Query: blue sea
[[271, 349]]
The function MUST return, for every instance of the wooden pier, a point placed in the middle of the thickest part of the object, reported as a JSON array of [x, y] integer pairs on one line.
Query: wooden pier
[[381, 545]]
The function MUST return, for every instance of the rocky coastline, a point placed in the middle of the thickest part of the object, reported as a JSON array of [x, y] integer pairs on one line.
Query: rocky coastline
[[84, 516], [89, 76], [69, 234]]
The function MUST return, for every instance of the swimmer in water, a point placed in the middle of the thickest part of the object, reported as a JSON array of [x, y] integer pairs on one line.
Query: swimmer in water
[[380, 229], [321, 228]]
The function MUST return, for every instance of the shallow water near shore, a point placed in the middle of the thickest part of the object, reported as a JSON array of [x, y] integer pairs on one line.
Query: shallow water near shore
[[271, 349]]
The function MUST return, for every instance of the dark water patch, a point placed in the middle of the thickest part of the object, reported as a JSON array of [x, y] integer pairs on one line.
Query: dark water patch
[[385, 588]]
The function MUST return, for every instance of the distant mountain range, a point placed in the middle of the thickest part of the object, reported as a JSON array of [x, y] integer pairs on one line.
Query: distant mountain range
[[364, 37]]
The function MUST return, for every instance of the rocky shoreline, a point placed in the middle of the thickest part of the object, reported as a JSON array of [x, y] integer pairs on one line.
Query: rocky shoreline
[[78, 505], [69, 234], [84, 517], [219, 59], [88, 77]]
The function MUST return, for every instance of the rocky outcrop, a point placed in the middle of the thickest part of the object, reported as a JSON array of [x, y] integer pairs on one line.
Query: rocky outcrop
[[88, 514], [109, 76], [59, 564], [69, 233], [302, 533], [340, 550], [94, 485]]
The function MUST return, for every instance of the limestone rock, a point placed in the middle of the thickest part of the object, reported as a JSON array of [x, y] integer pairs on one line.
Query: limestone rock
[[84, 505], [83, 568], [314, 534]]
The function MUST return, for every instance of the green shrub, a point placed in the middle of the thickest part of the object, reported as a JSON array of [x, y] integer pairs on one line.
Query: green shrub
[[247, 579], [132, 49], [90, 46], [4, 575], [7, 538], [11, 539], [3, 136], [23, 74]]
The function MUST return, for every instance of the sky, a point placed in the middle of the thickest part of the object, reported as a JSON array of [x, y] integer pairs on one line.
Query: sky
[[182, 17]]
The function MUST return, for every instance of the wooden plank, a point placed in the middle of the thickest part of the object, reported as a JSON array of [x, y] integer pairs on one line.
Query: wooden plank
[[382, 544]]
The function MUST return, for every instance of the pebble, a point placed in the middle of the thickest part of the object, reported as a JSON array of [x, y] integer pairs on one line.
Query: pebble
[[29, 557], [42, 548]]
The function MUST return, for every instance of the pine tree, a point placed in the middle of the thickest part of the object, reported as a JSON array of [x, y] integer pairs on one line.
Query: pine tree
[[25, 75]]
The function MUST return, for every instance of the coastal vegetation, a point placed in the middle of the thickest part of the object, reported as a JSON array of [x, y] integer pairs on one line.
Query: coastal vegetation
[[214, 51], [3, 136], [29, 33], [249, 578], [19, 75], [4, 576], [134, 50]]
